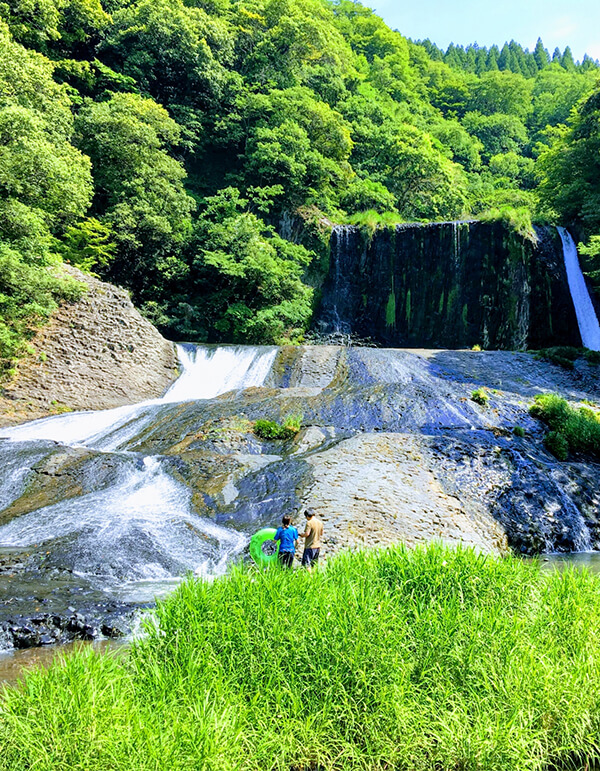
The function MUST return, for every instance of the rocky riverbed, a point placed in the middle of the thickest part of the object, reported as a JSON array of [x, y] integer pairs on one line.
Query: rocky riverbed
[[392, 448]]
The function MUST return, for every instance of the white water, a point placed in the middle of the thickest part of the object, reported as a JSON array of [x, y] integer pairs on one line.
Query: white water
[[206, 372], [584, 308], [143, 527]]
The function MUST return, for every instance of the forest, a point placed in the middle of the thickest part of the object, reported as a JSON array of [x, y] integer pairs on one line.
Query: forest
[[178, 148]]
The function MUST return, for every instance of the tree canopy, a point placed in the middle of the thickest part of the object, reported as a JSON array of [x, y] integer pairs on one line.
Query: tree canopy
[[165, 144]]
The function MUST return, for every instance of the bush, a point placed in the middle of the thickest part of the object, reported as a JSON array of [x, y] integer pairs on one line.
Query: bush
[[480, 396], [293, 422], [563, 356], [519, 431], [270, 430], [577, 430], [28, 296], [556, 443], [385, 659], [516, 218]]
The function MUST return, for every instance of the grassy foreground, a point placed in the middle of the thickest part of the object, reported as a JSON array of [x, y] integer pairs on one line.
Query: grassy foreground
[[426, 659]]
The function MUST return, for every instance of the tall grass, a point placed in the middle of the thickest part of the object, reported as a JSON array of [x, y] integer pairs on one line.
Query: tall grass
[[413, 660]]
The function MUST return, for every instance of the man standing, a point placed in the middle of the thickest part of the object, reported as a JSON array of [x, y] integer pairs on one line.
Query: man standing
[[312, 535], [287, 535]]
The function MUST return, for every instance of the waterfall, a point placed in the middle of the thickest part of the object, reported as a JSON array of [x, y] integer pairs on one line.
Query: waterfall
[[584, 308], [141, 528], [340, 247], [206, 372], [141, 525]]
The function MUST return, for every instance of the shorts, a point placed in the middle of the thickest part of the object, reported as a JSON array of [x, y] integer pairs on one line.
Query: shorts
[[286, 559], [310, 557]]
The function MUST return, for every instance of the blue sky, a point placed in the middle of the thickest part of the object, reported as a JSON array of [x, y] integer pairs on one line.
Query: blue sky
[[558, 23]]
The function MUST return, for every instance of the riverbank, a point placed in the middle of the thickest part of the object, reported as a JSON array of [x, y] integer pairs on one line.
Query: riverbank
[[425, 659]]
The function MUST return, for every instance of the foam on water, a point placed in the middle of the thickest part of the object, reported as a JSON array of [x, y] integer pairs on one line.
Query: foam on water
[[143, 527]]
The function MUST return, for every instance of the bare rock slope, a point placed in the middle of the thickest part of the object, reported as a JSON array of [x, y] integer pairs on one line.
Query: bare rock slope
[[96, 353]]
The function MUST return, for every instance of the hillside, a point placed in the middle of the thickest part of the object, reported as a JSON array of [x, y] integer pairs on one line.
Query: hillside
[[174, 142], [97, 352]]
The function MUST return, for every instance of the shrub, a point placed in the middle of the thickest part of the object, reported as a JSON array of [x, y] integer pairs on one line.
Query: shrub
[[518, 219], [480, 397], [579, 429], [519, 431], [293, 422], [28, 296], [565, 355], [556, 443], [270, 430]]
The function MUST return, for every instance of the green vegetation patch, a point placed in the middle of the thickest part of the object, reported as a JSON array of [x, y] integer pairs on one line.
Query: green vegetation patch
[[571, 430], [566, 355], [28, 295], [270, 429], [398, 659], [480, 396]]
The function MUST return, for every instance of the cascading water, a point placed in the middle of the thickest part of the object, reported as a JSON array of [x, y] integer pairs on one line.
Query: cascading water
[[340, 249], [206, 372], [141, 525], [584, 308]]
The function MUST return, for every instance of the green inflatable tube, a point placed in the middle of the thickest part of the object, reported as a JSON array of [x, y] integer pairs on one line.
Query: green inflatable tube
[[256, 544]]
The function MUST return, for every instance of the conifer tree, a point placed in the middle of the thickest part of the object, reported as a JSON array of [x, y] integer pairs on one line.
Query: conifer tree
[[567, 60], [541, 55]]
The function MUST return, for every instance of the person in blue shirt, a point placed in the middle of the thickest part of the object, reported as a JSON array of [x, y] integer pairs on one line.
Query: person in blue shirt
[[287, 535]]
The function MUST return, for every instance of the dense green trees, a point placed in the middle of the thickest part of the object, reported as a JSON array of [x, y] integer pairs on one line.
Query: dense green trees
[[570, 177], [45, 186], [163, 143]]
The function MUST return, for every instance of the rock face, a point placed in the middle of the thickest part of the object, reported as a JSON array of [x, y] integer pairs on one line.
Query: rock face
[[96, 353], [380, 489], [450, 285]]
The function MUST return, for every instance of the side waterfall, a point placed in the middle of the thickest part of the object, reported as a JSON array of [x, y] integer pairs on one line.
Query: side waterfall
[[584, 308], [206, 372], [142, 525]]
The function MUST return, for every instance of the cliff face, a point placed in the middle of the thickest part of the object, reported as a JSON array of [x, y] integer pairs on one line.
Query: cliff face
[[96, 353], [449, 285]]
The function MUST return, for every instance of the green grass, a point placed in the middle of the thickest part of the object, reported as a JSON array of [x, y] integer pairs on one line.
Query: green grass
[[28, 296], [432, 659], [372, 219], [571, 429], [518, 219]]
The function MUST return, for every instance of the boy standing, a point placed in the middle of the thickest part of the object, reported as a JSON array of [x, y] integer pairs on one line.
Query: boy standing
[[287, 535], [312, 533]]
